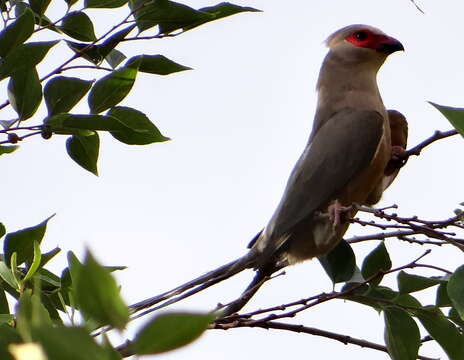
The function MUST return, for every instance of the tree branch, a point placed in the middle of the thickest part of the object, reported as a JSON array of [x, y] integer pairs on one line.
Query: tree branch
[[437, 135], [417, 6], [312, 301], [345, 339]]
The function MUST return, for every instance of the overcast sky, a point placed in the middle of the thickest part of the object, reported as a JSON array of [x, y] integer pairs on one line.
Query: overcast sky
[[238, 122]]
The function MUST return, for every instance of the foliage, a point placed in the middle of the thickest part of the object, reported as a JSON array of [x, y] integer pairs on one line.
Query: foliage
[[55, 311], [82, 303], [88, 50]]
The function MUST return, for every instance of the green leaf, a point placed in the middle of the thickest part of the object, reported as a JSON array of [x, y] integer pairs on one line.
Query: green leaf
[[104, 3], [96, 53], [19, 7], [140, 130], [68, 343], [69, 276], [45, 23], [2, 228], [115, 268], [7, 275], [456, 290], [227, 9], [48, 256], [111, 89], [74, 266], [72, 124], [14, 267], [83, 149], [381, 292], [442, 298], [222, 10], [70, 2], [112, 353], [340, 263], [35, 262], [454, 316], [88, 52], [8, 335], [7, 149], [377, 261], [110, 43], [402, 335], [407, 300], [169, 15], [25, 56], [22, 242], [97, 295], [454, 115], [157, 64], [49, 281], [375, 296], [6, 317], [443, 331], [408, 283], [17, 32], [62, 93], [170, 331], [31, 312], [78, 25], [114, 58], [4, 307], [52, 303], [39, 6], [25, 92]]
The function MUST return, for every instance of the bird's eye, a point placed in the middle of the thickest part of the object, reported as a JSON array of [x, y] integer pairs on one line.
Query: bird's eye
[[361, 35]]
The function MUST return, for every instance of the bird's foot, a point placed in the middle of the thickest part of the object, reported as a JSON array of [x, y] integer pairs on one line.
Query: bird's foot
[[338, 214], [397, 152], [398, 156]]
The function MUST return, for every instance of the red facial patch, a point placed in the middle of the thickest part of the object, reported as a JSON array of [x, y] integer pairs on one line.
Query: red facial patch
[[367, 39]]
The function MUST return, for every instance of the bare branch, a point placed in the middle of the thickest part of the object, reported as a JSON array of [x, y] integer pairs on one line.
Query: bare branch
[[437, 135], [312, 301], [345, 339], [417, 6]]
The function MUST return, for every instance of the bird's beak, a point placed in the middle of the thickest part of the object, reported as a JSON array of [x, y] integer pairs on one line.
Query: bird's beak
[[389, 45]]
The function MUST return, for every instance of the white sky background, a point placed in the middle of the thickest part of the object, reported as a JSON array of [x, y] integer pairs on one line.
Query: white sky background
[[238, 122]]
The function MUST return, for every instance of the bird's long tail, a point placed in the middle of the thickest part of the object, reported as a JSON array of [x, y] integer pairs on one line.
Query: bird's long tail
[[196, 285]]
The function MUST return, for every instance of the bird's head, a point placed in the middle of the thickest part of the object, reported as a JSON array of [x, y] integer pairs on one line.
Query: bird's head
[[362, 43]]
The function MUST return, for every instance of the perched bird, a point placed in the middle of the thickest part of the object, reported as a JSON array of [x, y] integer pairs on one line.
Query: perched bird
[[346, 160]]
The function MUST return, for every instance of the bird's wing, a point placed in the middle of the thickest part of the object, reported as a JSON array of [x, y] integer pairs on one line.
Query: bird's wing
[[344, 146]]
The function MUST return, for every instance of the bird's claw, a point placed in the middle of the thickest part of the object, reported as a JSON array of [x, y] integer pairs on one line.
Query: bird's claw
[[338, 213], [398, 156]]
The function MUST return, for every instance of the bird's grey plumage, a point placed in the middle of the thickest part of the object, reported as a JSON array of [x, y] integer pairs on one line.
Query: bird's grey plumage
[[319, 167]]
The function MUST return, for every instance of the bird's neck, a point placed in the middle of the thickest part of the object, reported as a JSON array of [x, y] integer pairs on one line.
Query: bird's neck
[[348, 84], [345, 84]]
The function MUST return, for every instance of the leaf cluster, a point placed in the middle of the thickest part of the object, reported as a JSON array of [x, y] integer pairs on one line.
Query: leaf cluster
[[19, 58], [86, 288], [400, 308]]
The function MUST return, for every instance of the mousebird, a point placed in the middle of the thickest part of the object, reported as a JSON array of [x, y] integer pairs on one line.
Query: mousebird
[[349, 159]]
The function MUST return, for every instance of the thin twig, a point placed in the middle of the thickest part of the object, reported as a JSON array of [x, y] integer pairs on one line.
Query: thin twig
[[94, 67], [437, 135], [345, 339], [324, 297], [20, 138], [417, 6]]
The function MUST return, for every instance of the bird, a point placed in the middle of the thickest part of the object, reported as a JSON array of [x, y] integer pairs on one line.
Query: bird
[[348, 159]]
